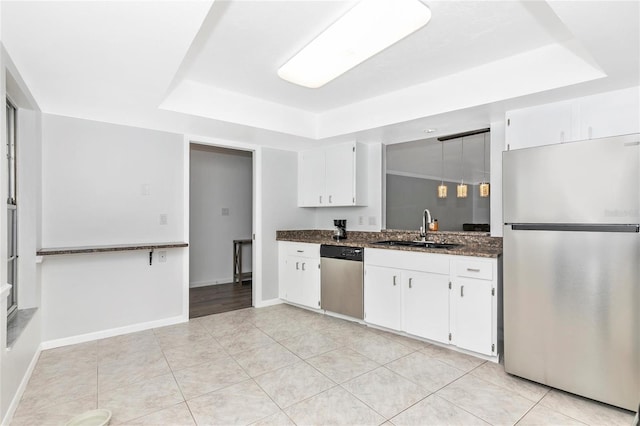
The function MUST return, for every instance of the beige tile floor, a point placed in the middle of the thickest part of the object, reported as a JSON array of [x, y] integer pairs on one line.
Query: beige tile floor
[[282, 366]]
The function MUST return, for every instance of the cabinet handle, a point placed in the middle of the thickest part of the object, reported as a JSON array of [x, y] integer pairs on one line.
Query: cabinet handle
[[303, 263], [410, 279], [473, 269], [320, 199], [394, 280], [330, 199], [297, 266], [300, 251], [461, 291]]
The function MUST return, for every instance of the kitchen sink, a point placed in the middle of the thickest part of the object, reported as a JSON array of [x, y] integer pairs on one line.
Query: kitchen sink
[[424, 244]]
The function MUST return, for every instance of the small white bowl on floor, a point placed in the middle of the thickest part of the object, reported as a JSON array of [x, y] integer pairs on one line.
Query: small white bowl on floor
[[99, 417]]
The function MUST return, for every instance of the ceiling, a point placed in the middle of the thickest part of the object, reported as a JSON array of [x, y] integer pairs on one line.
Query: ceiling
[[209, 68]]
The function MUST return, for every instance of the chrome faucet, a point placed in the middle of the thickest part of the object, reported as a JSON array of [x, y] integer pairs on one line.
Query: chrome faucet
[[426, 220]]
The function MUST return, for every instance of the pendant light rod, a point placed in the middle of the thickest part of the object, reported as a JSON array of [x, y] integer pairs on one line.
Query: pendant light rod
[[464, 134], [484, 156], [442, 164]]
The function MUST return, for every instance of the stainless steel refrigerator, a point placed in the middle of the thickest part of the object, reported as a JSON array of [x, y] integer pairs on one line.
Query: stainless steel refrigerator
[[572, 267]]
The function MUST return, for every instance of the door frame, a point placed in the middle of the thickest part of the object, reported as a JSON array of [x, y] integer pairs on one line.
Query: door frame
[[256, 222]]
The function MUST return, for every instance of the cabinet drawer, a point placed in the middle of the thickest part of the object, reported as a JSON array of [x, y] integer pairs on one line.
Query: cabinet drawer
[[482, 270], [412, 261], [300, 249]]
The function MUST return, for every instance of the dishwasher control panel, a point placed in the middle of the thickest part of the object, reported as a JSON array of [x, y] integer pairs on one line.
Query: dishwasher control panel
[[342, 252]]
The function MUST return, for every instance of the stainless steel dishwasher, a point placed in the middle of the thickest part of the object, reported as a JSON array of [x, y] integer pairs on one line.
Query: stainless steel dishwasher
[[342, 280]]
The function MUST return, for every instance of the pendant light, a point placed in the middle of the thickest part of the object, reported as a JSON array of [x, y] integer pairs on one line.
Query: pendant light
[[484, 186], [461, 189], [442, 188]]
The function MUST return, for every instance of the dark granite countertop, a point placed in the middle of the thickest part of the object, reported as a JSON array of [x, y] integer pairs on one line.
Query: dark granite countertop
[[108, 248], [477, 244]]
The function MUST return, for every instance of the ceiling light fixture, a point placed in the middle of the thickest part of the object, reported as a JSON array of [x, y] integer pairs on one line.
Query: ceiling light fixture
[[368, 28]]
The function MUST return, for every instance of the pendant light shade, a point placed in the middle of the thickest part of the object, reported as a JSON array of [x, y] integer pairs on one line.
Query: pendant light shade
[[484, 186], [442, 188], [461, 189]]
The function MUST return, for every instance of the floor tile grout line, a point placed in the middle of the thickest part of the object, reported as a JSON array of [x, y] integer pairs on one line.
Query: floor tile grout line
[[464, 409], [539, 403], [364, 402], [511, 390]]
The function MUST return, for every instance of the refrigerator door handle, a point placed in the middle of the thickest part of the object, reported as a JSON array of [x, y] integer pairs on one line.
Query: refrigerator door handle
[[576, 227]]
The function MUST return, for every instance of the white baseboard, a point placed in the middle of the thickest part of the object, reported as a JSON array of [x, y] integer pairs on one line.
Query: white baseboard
[[210, 282], [270, 302], [81, 338], [13, 406]]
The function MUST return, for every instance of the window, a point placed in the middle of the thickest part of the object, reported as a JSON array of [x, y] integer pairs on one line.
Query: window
[[12, 212]]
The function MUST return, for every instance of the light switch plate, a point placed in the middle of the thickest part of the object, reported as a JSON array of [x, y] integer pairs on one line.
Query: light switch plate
[[163, 219]]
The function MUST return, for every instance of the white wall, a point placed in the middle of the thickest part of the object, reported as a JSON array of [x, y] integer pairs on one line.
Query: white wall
[[16, 362], [219, 179], [498, 145], [371, 214], [97, 294], [109, 184], [279, 180]]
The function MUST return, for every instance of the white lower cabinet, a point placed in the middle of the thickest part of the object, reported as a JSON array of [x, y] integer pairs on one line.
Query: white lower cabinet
[[474, 304], [472, 314], [299, 273], [382, 296], [426, 305], [443, 298]]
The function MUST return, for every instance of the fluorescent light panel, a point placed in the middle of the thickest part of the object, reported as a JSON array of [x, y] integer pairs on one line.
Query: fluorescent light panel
[[368, 28]]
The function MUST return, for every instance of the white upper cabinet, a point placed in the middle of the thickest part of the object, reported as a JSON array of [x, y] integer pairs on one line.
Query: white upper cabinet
[[610, 114], [540, 125], [332, 176], [311, 178], [598, 116]]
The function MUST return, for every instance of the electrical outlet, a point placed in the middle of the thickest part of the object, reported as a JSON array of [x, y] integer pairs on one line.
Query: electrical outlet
[[163, 219], [162, 256], [372, 221], [360, 220], [145, 189], [225, 211]]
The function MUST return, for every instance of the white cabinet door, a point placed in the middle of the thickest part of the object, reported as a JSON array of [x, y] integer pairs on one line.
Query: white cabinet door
[[382, 297], [311, 178], [426, 305], [540, 125], [472, 309], [310, 282], [340, 175], [610, 114], [302, 281]]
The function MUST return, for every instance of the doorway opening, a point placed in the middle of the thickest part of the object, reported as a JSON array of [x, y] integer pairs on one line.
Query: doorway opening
[[220, 229]]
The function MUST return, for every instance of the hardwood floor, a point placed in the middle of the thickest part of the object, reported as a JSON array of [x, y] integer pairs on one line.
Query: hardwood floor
[[215, 299]]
